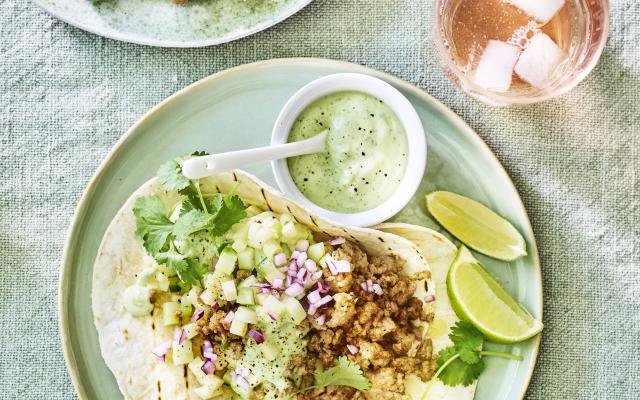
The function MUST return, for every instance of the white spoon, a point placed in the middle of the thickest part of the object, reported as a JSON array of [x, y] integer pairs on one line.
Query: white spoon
[[200, 167]]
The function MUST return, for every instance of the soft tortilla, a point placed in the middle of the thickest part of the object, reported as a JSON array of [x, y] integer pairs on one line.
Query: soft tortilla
[[440, 253], [126, 342]]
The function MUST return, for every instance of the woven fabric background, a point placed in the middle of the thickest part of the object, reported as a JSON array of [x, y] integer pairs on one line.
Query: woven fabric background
[[66, 96]]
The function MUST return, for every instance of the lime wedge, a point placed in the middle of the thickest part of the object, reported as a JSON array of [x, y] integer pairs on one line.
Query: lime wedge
[[476, 226], [479, 299]]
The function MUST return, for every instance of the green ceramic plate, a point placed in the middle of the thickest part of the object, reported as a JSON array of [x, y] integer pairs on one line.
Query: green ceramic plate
[[237, 108], [166, 24]]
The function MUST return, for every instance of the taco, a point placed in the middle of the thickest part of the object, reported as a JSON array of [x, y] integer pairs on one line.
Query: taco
[[224, 288]]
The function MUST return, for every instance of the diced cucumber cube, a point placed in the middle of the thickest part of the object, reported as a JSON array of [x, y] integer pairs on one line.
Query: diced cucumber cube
[[246, 296], [208, 280], [182, 353], [272, 305], [163, 281], [210, 381], [168, 272], [194, 293], [190, 330], [248, 281], [170, 313], [246, 259], [205, 392], [186, 309], [260, 297], [247, 315], [238, 327], [227, 261], [316, 251], [239, 245], [269, 271], [208, 296], [229, 290], [270, 248], [294, 308], [269, 351]]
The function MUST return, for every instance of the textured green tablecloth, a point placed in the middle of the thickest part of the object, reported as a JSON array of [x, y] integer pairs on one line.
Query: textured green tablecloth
[[66, 96]]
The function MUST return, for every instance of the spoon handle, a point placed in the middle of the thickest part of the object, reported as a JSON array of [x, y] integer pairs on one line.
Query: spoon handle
[[200, 167]]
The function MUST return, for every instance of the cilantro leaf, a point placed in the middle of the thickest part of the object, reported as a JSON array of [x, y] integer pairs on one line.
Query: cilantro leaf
[[461, 363], [170, 175], [190, 222], [188, 270], [459, 372], [152, 225], [231, 211], [467, 340], [344, 373]]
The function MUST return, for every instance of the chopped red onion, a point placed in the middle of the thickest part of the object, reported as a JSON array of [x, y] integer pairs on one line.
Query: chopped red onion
[[301, 259], [289, 280], [302, 245], [317, 275], [242, 382], [325, 288], [343, 266], [215, 306], [314, 296], [294, 255], [377, 289], [229, 318], [324, 300], [294, 290], [261, 285], [311, 265], [336, 240], [280, 259], [256, 335], [207, 367], [206, 347], [429, 298], [352, 349], [266, 290], [332, 267], [301, 274], [363, 285], [179, 335], [312, 309], [210, 355], [292, 272], [161, 350], [321, 319], [277, 283], [197, 315], [272, 316]]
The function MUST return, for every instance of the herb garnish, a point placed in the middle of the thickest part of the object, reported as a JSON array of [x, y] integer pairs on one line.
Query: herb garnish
[[212, 213], [461, 363], [343, 373]]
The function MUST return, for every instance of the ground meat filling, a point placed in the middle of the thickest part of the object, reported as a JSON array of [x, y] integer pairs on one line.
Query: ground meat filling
[[389, 343]]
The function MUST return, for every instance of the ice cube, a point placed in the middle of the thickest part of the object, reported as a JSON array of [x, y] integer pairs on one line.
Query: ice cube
[[538, 61], [541, 10], [496, 66]]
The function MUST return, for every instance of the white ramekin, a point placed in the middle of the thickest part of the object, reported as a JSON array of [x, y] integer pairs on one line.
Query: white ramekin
[[417, 146]]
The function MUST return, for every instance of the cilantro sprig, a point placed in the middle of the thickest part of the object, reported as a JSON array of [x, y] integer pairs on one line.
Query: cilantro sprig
[[213, 214], [462, 363], [343, 373]]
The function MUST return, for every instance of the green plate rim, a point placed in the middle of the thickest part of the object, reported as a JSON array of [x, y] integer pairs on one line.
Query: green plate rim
[[124, 37], [130, 134]]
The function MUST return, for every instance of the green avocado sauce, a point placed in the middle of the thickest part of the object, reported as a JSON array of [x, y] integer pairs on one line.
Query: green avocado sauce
[[366, 153]]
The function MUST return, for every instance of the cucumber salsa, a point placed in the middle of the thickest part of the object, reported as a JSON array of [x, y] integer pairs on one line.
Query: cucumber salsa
[[366, 153]]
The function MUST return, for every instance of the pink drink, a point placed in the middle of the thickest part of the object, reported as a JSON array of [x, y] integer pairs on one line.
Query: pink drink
[[519, 51]]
